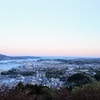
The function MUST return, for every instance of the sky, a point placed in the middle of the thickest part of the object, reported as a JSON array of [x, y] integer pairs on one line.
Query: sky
[[50, 27]]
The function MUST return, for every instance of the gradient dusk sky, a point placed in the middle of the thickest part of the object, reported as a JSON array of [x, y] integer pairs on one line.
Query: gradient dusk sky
[[50, 27]]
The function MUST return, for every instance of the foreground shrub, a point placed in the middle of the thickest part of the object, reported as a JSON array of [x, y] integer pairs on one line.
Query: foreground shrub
[[17, 94], [62, 94], [86, 93], [39, 92]]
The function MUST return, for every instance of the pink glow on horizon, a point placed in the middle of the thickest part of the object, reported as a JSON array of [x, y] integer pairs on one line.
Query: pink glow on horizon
[[51, 53]]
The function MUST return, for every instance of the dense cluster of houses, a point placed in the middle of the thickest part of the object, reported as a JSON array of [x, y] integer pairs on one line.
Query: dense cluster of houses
[[40, 78]]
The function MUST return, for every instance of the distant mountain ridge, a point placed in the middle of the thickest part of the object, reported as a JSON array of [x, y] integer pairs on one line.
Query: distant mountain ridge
[[1, 55], [5, 57]]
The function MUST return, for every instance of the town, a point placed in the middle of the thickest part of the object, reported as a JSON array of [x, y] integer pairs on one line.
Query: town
[[53, 73]]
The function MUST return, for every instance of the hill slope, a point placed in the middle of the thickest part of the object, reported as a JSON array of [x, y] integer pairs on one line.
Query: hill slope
[[3, 57]]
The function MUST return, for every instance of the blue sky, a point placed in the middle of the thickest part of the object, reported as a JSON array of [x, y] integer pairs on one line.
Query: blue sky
[[50, 27]]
